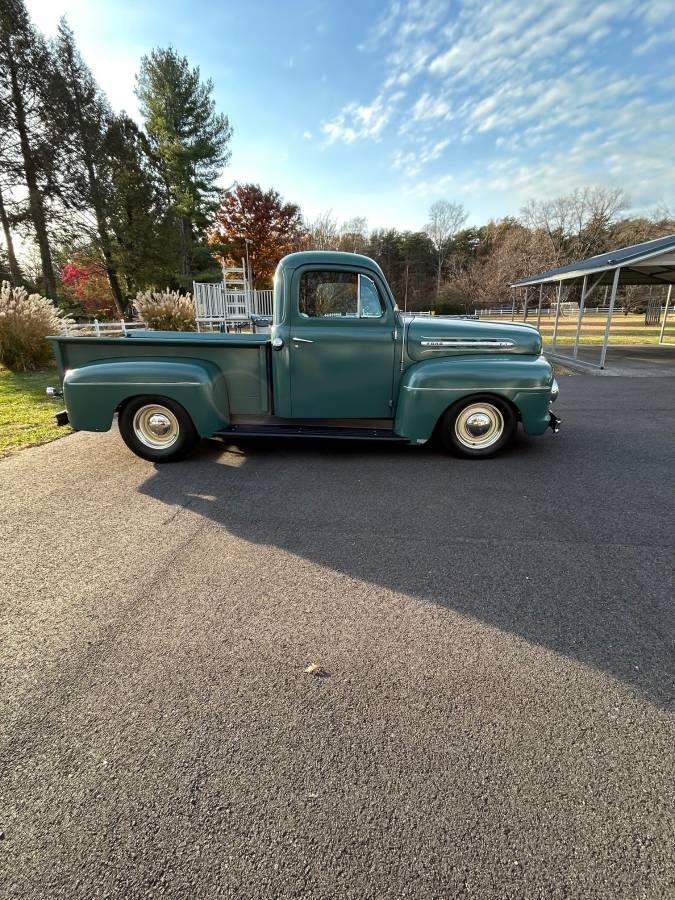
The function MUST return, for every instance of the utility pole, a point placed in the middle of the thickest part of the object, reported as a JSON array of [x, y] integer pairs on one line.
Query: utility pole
[[405, 293], [247, 241]]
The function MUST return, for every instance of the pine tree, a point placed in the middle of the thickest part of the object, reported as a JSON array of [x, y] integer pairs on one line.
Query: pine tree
[[191, 141], [146, 240], [26, 73], [12, 262], [84, 116]]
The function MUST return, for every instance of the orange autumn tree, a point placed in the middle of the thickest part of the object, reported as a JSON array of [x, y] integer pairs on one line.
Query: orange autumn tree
[[84, 278], [273, 227]]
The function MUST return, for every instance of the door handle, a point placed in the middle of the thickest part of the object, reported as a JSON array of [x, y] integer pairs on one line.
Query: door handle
[[302, 340]]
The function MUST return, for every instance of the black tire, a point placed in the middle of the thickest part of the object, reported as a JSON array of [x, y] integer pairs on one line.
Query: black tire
[[135, 421], [495, 419]]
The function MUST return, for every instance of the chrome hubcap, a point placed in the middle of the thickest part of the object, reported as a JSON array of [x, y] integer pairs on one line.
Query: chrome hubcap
[[156, 426], [479, 426]]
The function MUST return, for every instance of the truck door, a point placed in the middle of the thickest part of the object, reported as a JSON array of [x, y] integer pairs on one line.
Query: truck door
[[342, 346]]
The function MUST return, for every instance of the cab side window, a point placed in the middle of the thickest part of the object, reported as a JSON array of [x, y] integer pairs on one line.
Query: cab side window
[[339, 295], [370, 302]]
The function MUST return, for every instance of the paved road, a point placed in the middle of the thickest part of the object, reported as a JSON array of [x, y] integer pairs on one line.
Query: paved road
[[499, 638], [642, 360]]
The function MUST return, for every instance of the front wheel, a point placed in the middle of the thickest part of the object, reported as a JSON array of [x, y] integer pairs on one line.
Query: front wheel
[[478, 427], [157, 429]]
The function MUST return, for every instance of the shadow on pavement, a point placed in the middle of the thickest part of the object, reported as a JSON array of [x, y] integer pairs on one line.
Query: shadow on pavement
[[559, 541]]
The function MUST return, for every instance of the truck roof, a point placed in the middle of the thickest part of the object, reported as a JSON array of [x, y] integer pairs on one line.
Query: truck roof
[[328, 258]]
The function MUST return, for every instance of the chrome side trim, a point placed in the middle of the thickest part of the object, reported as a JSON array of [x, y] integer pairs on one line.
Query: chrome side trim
[[486, 343], [72, 385], [480, 387], [404, 345]]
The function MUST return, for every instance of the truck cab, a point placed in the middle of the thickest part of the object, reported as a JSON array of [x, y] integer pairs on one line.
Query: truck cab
[[340, 362], [334, 337]]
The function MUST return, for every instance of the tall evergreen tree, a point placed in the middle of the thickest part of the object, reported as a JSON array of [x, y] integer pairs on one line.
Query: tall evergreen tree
[[10, 175], [85, 115], [12, 262], [146, 240], [26, 74], [190, 139]]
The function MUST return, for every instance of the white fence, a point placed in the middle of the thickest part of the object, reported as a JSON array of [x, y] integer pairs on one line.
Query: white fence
[[214, 303], [102, 329], [548, 311]]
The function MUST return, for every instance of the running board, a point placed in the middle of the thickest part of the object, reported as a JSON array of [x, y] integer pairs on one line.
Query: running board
[[309, 431]]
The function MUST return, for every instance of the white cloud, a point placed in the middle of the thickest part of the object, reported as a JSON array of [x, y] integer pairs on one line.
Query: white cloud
[[358, 121], [537, 79], [428, 107]]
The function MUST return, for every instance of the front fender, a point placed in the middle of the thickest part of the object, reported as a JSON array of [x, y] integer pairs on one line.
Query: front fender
[[93, 392], [428, 388]]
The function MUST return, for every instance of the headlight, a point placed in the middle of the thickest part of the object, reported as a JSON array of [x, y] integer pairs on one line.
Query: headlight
[[555, 390]]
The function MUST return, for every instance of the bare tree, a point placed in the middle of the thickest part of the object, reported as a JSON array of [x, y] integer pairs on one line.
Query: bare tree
[[575, 224], [445, 220], [322, 233], [354, 235]]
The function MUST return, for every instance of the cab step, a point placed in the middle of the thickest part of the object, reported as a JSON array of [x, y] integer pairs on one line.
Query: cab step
[[311, 431]]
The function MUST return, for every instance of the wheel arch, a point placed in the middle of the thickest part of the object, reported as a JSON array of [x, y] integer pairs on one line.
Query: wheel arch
[[94, 393], [475, 396], [429, 388], [172, 440]]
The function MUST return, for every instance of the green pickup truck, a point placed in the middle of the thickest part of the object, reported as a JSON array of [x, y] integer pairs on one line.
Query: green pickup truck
[[340, 361]]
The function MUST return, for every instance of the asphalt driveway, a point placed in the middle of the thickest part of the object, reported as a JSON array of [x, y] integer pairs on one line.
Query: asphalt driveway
[[497, 717]]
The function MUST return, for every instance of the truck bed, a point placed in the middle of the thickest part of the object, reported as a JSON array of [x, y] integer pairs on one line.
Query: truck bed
[[242, 358]]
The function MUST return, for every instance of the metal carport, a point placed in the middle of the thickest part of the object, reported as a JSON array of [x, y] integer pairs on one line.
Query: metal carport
[[649, 263]]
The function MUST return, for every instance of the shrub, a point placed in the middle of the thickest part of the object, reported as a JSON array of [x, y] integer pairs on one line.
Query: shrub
[[166, 310], [25, 322], [449, 309]]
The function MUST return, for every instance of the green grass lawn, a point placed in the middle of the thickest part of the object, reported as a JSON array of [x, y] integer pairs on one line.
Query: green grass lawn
[[26, 414], [615, 338], [625, 329]]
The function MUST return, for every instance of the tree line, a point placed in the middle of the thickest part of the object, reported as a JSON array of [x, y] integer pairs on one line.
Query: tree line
[[451, 268], [114, 208], [102, 198]]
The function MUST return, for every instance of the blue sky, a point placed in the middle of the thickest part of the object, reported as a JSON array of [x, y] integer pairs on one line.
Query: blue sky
[[377, 109]]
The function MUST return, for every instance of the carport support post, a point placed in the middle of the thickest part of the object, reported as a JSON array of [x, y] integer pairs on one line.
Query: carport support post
[[513, 308], [541, 297], [557, 316], [665, 314], [525, 305], [610, 312], [579, 317]]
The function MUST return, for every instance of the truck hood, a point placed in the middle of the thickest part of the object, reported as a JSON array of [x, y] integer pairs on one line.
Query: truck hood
[[429, 336]]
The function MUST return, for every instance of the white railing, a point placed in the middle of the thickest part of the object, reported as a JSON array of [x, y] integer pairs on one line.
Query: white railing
[[102, 329], [549, 311], [214, 303]]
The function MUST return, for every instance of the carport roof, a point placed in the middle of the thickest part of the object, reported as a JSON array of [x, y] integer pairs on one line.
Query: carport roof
[[652, 262]]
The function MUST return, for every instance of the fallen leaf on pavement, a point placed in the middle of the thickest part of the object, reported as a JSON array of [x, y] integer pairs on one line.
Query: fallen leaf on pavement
[[316, 670]]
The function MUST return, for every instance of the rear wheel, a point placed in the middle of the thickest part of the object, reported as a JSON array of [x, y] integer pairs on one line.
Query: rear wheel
[[478, 427], [157, 429]]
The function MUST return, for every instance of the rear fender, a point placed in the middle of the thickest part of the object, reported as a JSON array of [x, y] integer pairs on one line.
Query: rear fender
[[94, 392], [428, 388]]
